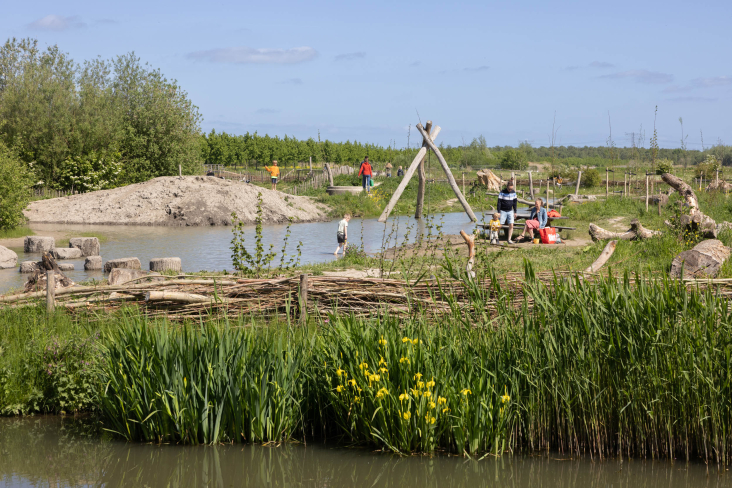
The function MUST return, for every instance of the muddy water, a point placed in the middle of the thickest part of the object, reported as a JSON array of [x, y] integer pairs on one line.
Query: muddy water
[[51, 452], [207, 248]]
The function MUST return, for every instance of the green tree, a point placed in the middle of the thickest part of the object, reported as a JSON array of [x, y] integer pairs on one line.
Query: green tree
[[514, 159], [15, 183]]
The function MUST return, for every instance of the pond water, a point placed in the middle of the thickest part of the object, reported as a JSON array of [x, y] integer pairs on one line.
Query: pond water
[[207, 248], [52, 452]]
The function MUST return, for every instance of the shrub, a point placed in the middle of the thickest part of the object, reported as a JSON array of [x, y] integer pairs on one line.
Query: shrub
[[707, 168], [664, 166], [15, 182], [514, 159], [590, 178]]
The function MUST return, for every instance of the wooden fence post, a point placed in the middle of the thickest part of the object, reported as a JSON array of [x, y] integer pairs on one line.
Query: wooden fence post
[[531, 186], [50, 291], [646, 192], [607, 183], [547, 194], [303, 298], [579, 178]]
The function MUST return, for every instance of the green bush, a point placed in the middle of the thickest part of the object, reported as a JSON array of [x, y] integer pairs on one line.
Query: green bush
[[707, 168], [664, 166], [590, 178], [514, 159], [15, 182]]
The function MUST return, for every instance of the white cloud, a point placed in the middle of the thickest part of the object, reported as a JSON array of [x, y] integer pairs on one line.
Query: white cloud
[[248, 55], [642, 76], [57, 23], [350, 56]]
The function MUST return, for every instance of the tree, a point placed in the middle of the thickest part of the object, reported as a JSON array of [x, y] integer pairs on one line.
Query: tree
[[514, 159], [15, 182]]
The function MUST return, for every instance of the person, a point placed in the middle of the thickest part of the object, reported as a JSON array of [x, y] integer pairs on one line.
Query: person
[[210, 172], [342, 234], [388, 168], [507, 206], [400, 171], [537, 220], [365, 172], [494, 227], [274, 173]]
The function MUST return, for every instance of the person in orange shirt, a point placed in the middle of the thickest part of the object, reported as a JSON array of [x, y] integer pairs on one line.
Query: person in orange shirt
[[274, 172], [366, 173]]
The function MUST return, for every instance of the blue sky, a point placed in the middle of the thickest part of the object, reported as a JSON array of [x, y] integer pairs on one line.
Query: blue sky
[[362, 70]]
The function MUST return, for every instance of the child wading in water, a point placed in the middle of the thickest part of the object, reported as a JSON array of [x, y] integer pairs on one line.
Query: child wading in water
[[343, 233], [495, 226], [274, 172]]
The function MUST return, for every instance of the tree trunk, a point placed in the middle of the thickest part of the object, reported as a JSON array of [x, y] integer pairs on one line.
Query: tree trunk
[[37, 281], [329, 172], [470, 241], [175, 296], [448, 173], [531, 186], [696, 221], [703, 261], [422, 178], [604, 256], [636, 231]]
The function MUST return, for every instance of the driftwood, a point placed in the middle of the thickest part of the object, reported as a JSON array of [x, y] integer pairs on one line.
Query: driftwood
[[604, 256], [636, 231], [175, 296], [696, 221], [719, 185], [703, 261], [407, 176], [37, 281], [422, 178], [448, 173], [470, 241], [329, 172], [489, 179]]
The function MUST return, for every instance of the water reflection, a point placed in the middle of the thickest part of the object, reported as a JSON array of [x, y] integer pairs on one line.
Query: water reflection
[[48, 451], [207, 248]]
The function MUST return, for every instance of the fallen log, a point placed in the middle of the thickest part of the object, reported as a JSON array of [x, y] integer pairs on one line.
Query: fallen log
[[636, 231], [703, 261], [696, 220], [175, 296], [602, 259]]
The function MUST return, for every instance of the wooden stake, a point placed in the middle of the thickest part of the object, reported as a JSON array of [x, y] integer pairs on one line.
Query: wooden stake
[[547, 193], [463, 182], [625, 184], [448, 173], [579, 178], [422, 178], [646, 192], [531, 185], [180, 170], [659, 206], [607, 184], [304, 298], [50, 291]]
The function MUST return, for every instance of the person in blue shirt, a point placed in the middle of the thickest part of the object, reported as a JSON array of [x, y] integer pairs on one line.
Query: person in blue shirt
[[537, 220], [507, 205]]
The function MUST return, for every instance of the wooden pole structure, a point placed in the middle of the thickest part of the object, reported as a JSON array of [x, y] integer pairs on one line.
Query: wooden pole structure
[[531, 185], [579, 179], [646, 192], [448, 173], [547, 193], [607, 183], [304, 298], [422, 177], [659, 206], [50, 291], [405, 180], [463, 182], [180, 170], [311, 163], [625, 184]]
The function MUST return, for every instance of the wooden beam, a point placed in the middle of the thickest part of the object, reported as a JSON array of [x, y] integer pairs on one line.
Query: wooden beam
[[448, 173], [405, 181], [422, 178], [602, 259]]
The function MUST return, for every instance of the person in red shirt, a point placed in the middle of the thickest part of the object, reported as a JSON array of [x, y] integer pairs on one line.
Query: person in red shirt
[[365, 172]]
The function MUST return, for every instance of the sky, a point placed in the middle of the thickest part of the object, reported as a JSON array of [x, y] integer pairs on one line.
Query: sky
[[510, 71]]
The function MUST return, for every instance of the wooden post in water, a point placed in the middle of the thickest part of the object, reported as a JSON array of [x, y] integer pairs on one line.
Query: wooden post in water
[[50, 291], [579, 178], [303, 298]]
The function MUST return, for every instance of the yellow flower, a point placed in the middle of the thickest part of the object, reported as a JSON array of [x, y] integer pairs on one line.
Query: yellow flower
[[445, 410], [339, 372], [403, 396], [466, 392], [382, 362], [404, 360], [363, 366], [352, 382], [427, 394], [415, 341], [441, 400], [383, 370], [382, 393], [431, 405], [430, 419], [359, 389], [505, 398], [415, 392], [407, 415], [405, 340], [382, 341], [339, 388], [431, 383], [357, 399], [418, 376], [420, 384]]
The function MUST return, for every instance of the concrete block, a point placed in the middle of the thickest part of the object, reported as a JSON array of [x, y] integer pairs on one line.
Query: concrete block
[[38, 244], [126, 263]]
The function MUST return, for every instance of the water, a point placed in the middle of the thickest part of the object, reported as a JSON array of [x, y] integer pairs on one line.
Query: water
[[207, 248], [49, 451]]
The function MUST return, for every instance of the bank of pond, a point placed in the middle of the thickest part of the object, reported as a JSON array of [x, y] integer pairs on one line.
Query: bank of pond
[[617, 367]]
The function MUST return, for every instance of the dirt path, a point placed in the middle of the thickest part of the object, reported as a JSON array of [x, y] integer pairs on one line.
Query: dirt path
[[176, 201]]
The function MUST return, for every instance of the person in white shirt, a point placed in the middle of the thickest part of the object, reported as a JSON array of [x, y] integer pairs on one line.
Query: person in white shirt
[[343, 234]]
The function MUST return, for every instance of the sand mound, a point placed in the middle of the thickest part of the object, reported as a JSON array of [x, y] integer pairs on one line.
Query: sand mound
[[178, 201]]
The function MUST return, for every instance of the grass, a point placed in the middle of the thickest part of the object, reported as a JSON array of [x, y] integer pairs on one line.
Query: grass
[[16, 232]]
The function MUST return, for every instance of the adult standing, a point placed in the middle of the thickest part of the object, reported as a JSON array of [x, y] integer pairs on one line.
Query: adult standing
[[365, 172], [507, 206], [388, 168], [537, 220], [274, 173], [400, 171]]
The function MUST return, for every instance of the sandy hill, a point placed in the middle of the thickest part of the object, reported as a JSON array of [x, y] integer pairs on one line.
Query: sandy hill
[[173, 200]]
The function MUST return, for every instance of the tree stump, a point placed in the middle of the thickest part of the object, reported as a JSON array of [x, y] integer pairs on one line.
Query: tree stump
[[126, 263], [37, 281], [703, 261], [165, 264], [696, 221]]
